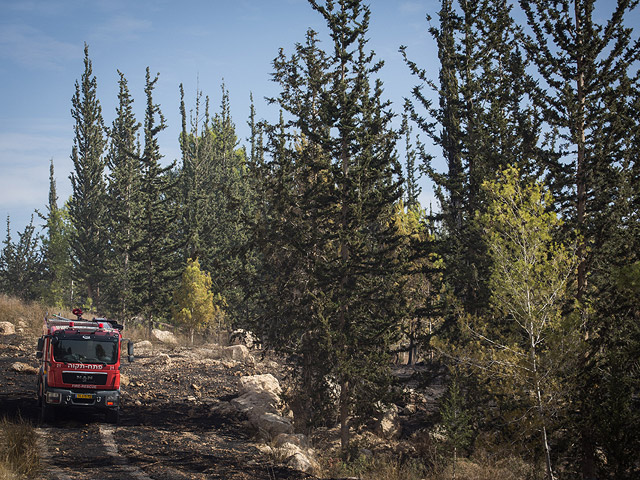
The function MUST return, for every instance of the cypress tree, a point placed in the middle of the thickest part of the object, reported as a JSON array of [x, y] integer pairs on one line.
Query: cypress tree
[[218, 200], [123, 203], [87, 207], [590, 82], [483, 121], [21, 265], [333, 179], [156, 249], [55, 250]]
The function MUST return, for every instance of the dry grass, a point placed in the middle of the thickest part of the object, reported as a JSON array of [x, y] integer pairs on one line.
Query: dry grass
[[383, 467], [25, 315], [18, 451]]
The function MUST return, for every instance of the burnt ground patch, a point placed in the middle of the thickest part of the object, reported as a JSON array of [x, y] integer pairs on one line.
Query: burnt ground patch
[[175, 422]]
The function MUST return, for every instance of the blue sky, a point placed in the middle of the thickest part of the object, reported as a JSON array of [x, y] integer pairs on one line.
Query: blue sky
[[197, 43]]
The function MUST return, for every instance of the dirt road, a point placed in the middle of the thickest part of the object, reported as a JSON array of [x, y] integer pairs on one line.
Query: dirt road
[[176, 423]]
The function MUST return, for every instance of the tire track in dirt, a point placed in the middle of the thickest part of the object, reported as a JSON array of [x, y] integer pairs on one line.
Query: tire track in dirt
[[46, 459], [83, 454], [106, 433]]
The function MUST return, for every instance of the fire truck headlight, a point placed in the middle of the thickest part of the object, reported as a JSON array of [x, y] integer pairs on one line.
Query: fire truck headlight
[[54, 397]]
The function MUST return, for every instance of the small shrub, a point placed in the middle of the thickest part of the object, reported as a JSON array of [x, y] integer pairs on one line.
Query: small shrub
[[384, 467]]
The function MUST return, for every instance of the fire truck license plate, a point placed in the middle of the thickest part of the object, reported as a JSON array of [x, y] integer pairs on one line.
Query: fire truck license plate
[[84, 395]]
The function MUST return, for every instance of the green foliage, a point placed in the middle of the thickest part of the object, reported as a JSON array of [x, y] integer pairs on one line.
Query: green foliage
[[330, 276], [588, 93], [21, 264], [482, 123], [124, 205], [156, 250], [194, 301], [56, 288], [456, 420], [421, 283], [87, 207], [218, 202], [525, 339]]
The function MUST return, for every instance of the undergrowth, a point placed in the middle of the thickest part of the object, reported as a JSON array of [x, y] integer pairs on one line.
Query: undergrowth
[[18, 451]]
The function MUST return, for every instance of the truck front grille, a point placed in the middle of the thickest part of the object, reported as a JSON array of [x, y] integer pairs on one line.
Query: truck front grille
[[84, 378]]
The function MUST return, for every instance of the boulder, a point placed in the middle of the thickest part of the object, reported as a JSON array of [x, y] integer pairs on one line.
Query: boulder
[[7, 328], [161, 359], [259, 383], [164, 336], [388, 425], [24, 368], [299, 461], [256, 403], [271, 424], [239, 353], [145, 347], [298, 439]]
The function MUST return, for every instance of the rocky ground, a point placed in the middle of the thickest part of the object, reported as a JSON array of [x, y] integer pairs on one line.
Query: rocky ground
[[186, 414]]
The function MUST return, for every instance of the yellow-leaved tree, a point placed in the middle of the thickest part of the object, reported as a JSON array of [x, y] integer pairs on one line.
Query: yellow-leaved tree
[[196, 307], [522, 345]]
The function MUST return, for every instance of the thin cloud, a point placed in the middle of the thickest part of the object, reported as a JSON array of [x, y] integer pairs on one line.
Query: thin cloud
[[31, 48], [412, 7], [123, 28]]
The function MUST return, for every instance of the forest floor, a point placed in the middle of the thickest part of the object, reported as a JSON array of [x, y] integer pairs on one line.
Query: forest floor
[[175, 420]]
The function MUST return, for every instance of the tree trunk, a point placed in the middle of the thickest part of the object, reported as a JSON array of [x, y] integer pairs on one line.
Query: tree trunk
[[541, 416], [588, 452], [344, 419]]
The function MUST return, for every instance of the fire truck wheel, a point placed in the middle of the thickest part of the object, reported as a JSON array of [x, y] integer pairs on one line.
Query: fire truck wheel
[[113, 416]]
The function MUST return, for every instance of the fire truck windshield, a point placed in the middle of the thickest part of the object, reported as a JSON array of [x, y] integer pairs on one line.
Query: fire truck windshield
[[86, 350]]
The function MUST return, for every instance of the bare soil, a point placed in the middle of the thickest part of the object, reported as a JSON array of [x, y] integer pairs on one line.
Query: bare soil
[[176, 422]]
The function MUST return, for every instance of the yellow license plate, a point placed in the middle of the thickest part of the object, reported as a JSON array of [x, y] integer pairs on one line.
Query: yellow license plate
[[84, 395]]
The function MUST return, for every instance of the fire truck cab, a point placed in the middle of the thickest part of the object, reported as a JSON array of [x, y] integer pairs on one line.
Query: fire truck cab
[[80, 366]]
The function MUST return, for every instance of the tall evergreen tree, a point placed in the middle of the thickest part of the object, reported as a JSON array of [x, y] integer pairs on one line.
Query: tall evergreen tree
[[482, 123], [218, 201], [123, 203], [87, 207], [156, 249], [589, 78], [21, 265], [334, 179], [55, 250]]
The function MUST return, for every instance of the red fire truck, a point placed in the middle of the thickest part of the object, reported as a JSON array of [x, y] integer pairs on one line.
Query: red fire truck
[[80, 365]]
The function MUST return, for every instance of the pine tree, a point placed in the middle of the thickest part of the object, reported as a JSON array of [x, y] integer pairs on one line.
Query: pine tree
[[87, 207], [412, 176], [526, 335], [456, 420], [334, 179], [123, 203], [219, 201]]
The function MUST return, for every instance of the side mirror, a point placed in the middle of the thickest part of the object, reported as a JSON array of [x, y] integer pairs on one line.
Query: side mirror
[[39, 354], [40, 344], [130, 351]]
